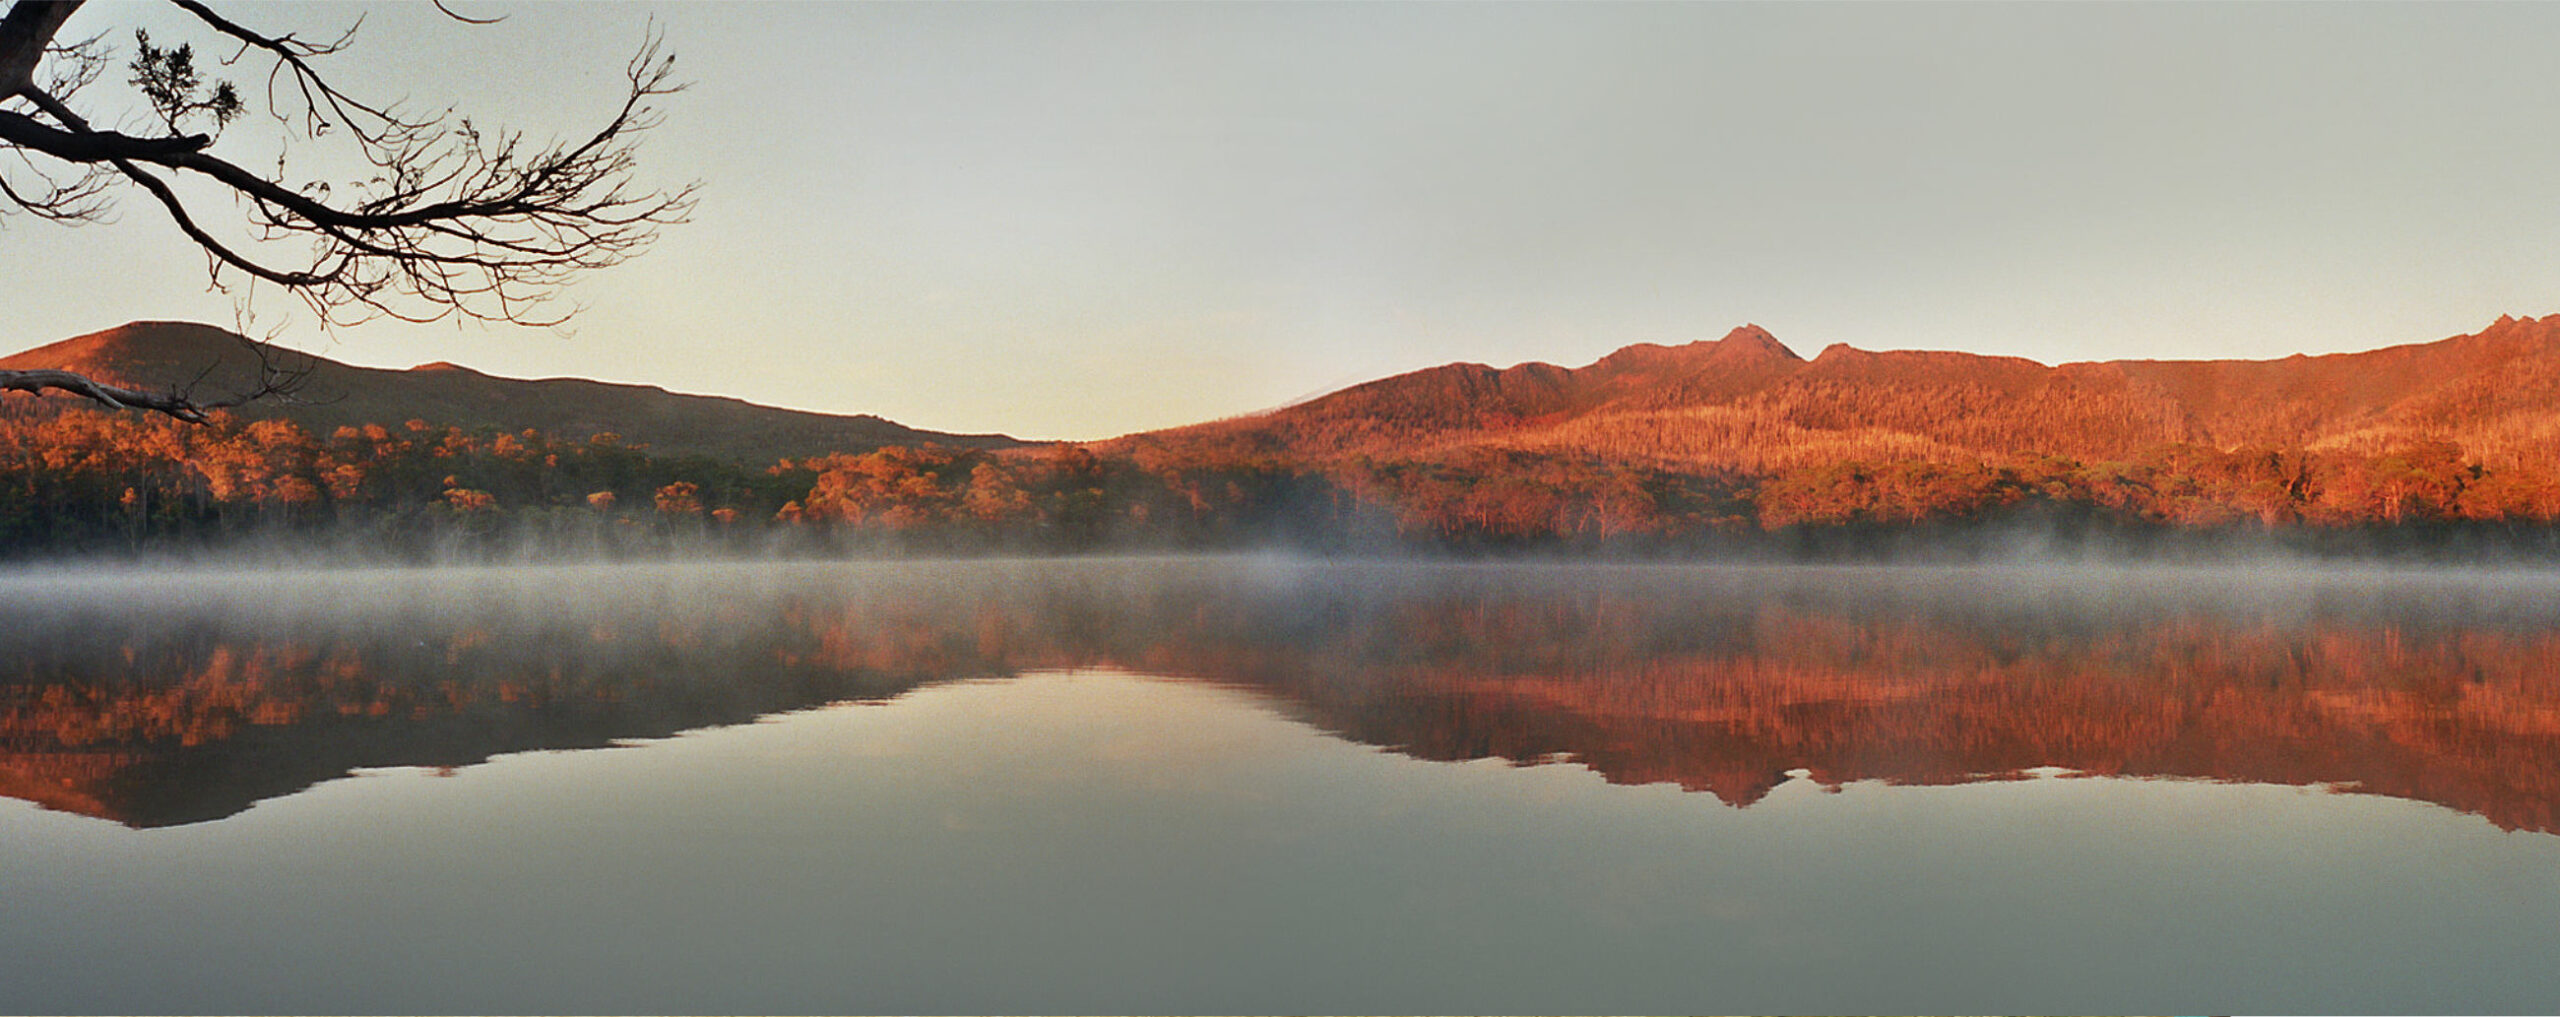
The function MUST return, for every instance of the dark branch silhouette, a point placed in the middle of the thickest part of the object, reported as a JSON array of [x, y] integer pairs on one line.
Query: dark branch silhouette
[[446, 218]]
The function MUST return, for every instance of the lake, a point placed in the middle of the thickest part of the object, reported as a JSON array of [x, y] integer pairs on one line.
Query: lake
[[1271, 785]]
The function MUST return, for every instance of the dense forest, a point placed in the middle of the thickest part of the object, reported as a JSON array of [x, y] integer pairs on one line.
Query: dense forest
[[80, 481]]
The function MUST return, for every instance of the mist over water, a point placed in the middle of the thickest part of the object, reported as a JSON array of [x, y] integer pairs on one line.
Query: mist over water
[[1279, 784]]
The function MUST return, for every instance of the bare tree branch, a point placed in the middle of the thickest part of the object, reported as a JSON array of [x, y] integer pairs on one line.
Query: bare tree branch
[[449, 12], [448, 218]]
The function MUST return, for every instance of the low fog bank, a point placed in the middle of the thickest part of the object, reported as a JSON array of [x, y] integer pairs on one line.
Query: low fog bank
[[2271, 582], [2016, 542]]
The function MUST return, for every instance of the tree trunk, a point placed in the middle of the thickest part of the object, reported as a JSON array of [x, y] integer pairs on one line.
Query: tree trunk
[[24, 33]]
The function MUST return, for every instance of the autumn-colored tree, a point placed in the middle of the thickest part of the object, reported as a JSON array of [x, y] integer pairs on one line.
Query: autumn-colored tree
[[682, 498]]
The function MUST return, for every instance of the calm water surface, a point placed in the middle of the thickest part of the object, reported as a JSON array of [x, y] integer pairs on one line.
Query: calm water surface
[[1274, 786]]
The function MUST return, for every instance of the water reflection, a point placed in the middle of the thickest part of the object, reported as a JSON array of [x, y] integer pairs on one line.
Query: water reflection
[[163, 702]]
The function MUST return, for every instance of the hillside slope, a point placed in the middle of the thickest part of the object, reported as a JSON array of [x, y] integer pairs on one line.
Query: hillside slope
[[1748, 402], [163, 354]]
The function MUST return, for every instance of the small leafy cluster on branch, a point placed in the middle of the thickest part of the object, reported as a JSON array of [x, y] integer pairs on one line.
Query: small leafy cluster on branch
[[167, 79]]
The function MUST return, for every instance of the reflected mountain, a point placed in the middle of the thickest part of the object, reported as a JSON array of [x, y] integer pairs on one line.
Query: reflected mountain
[[159, 703]]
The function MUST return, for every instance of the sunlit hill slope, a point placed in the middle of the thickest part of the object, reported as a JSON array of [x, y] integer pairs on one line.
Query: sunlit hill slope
[[157, 355], [2440, 446], [1748, 403]]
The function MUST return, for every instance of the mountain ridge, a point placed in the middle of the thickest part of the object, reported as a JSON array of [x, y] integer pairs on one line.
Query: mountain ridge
[[164, 354], [1745, 402], [1748, 402]]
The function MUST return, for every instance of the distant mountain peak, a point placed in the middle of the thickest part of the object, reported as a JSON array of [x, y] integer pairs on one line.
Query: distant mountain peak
[[144, 354], [1755, 340], [1744, 345]]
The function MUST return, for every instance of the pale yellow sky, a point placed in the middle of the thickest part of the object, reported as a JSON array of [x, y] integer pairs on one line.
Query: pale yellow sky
[[1080, 220]]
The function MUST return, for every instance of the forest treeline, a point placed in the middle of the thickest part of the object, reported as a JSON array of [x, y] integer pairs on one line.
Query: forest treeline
[[78, 481]]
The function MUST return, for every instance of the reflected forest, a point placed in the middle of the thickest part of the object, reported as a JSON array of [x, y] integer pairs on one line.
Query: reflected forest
[[1721, 681]]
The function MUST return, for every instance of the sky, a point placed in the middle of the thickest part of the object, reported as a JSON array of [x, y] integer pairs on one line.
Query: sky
[[1082, 220]]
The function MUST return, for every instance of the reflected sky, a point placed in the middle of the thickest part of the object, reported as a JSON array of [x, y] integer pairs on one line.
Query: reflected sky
[[1247, 784]]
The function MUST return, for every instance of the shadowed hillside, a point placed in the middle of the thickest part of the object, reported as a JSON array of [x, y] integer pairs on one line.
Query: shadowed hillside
[[158, 355]]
